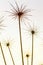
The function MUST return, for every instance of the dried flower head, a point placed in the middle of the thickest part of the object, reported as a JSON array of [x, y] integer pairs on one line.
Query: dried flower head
[[33, 29], [27, 55], [8, 44], [19, 12]]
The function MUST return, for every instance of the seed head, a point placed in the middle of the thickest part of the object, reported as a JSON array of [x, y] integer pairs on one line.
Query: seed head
[[33, 29], [7, 44], [27, 55], [19, 12], [33, 32]]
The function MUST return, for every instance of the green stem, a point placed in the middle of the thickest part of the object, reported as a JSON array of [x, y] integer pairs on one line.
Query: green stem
[[21, 42], [3, 54], [11, 55]]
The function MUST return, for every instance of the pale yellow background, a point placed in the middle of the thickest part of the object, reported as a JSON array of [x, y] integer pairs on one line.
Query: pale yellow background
[[11, 32]]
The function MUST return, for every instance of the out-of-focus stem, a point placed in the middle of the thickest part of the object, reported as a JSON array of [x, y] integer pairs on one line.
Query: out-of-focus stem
[[27, 61], [32, 49], [21, 42], [11, 55], [3, 54], [27, 56]]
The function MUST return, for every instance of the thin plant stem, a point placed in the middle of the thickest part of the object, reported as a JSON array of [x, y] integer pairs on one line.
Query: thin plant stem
[[11, 55], [3, 54], [20, 13], [27, 61], [32, 49], [21, 42], [27, 56]]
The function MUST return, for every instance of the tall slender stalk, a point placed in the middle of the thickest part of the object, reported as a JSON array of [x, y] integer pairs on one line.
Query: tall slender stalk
[[21, 42], [27, 61], [32, 32], [27, 56], [21, 13], [10, 53], [32, 50], [3, 54]]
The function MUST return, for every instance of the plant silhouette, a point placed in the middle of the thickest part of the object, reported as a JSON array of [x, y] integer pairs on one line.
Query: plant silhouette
[[1, 28], [27, 56], [8, 45], [3, 54], [20, 13], [33, 32]]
